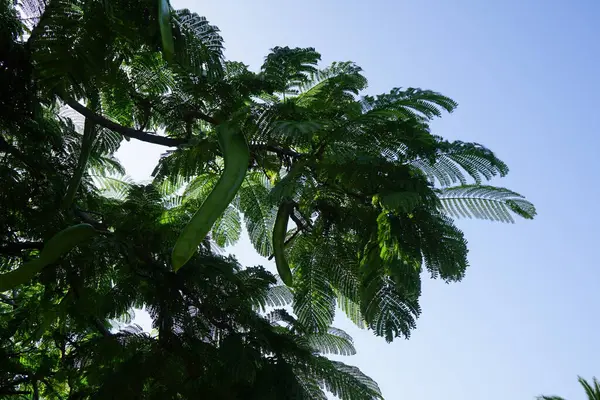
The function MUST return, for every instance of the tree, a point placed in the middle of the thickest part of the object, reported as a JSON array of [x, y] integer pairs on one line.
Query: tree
[[219, 328], [210, 338], [591, 390], [369, 190]]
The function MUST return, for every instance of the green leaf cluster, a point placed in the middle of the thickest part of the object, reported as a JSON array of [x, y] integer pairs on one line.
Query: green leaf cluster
[[370, 197]]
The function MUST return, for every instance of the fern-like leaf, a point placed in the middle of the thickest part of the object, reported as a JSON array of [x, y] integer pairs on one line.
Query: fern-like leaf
[[314, 298], [453, 161], [415, 103], [345, 381], [227, 228], [279, 296], [287, 69], [334, 341], [113, 186], [259, 213], [200, 47], [485, 202]]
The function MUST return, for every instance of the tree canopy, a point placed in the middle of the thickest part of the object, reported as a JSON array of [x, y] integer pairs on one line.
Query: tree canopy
[[352, 195]]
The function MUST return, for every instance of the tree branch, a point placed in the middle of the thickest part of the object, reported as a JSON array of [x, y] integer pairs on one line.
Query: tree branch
[[13, 392], [89, 135], [100, 326], [288, 241], [200, 115], [8, 388], [83, 215], [14, 249], [278, 150], [36, 390], [123, 130], [301, 225]]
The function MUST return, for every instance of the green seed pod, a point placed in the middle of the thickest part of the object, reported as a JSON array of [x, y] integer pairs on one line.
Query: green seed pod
[[236, 156], [56, 247], [279, 234], [166, 31]]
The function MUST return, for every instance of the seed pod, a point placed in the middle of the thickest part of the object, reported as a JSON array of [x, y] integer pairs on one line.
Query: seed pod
[[236, 156], [56, 247], [166, 31], [279, 234]]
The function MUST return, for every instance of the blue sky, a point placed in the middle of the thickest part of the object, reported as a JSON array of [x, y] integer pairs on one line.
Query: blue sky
[[524, 320]]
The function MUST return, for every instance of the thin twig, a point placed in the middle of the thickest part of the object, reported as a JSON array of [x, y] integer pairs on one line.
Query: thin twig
[[278, 150], [288, 241]]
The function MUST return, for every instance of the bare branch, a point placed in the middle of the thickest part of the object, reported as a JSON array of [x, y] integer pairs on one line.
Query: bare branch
[[14, 249], [288, 241], [123, 130], [278, 150], [83, 215]]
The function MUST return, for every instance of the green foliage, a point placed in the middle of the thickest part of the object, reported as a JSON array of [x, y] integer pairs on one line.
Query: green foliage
[[592, 390], [485, 202], [53, 249], [259, 213], [452, 161], [371, 192]]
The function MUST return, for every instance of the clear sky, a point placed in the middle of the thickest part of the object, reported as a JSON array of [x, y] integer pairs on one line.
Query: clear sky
[[524, 321]]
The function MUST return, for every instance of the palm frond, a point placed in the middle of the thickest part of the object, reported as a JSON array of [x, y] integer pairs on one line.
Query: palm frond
[[170, 187], [117, 102], [311, 388], [54, 42], [289, 186], [343, 273], [591, 390]]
